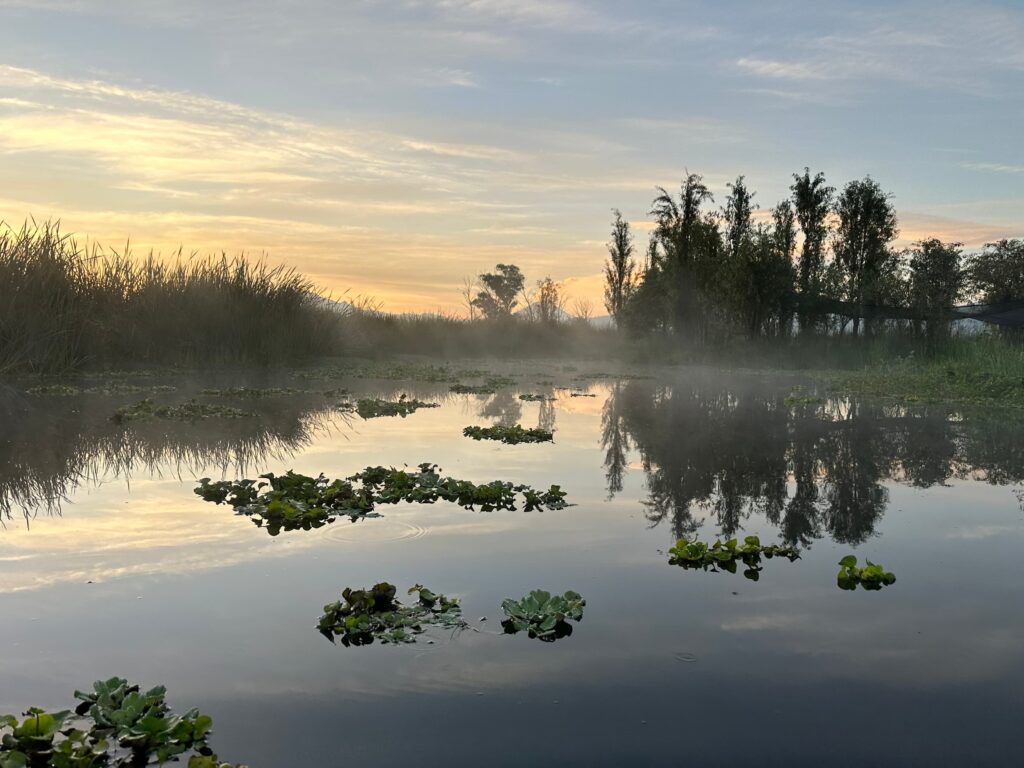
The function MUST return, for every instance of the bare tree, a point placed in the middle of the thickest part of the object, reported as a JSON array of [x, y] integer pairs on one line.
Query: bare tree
[[468, 291], [582, 310]]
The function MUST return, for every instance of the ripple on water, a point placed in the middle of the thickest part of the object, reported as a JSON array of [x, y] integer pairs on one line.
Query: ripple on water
[[374, 531]]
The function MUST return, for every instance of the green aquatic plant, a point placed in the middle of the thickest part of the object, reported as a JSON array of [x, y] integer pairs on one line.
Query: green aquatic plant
[[390, 486], [725, 555], [532, 398], [582, 394], [372, 408], [191, 410], [512, 435], [115, 725], [291, 501], [365, 615], [542, 615], [253, 392], [299, 502], [872, 576], [59, 390], [489, 387]]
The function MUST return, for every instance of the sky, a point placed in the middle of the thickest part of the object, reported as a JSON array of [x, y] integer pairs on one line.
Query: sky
[[391, 148]]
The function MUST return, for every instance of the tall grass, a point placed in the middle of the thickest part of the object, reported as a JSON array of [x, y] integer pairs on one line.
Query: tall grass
[[64, 307]]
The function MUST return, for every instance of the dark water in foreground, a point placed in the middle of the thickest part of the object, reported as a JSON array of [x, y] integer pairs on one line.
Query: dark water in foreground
[[134, 575]]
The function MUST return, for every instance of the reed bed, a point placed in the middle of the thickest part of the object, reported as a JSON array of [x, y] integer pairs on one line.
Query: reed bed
[[66, 307]]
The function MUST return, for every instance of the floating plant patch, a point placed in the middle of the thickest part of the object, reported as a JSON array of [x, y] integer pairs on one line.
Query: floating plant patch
[[253, 392], [110, 388], [532, 398], [115, 725], [725, 555], [372, 408], [872, 576], [512, 435], [192, 410], [298, 502], [582, 394], [365, 615], [390, 486], [542, 615], [290, 501]]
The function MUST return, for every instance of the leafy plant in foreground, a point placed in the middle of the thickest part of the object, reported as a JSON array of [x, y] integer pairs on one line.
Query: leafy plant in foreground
[[294, 501], [725, 555], [543, 615], [365, 615], [872, 576], [114, 725], [512, 435]]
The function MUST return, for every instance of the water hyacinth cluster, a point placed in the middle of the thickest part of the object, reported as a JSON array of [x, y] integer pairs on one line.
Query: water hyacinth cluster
[[294, 501], [372, 408], [115, 725], [872, 576], [542, 615], [365, 615], [511, 435], [725, 555]]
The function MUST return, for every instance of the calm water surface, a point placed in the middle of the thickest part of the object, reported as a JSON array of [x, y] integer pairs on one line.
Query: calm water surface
[[110, 565]]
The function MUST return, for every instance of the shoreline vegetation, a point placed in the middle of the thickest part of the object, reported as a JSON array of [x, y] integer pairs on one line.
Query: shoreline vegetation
[[73, 312]]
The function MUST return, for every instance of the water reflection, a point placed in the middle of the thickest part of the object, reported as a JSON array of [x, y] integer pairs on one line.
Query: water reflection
[[728, 449], [50, 448]]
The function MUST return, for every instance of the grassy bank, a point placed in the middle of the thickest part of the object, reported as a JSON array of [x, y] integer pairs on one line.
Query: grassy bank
[[980, 370], [65, 308]]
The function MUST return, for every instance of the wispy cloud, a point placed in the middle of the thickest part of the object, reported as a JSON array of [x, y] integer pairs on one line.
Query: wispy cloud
[[994, 167]]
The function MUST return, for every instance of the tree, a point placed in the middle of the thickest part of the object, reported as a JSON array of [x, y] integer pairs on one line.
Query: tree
[[812, 201], [736, 214], [468, 293], [499, 289], [548, 307], [620, 271], [996, 274], [784, 229], [867, 225], [690, 244], [937, 281]]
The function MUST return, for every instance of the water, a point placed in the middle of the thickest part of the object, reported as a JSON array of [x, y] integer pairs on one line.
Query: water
[[131, 574]]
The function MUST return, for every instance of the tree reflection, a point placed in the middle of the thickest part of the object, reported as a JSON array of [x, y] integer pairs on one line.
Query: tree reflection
[[719, 449]]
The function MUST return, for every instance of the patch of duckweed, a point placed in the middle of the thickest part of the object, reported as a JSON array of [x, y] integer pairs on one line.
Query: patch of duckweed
[[372, 408], [872, 576], [191, 410], [582, 394], [431, 374], [542, 615], [616, 376], [512, 435], [489, 387], [253, 392], [725, 555], [299, 502], [535, 398], [109, 388], [116, 725], [363, 616], [57, 390]]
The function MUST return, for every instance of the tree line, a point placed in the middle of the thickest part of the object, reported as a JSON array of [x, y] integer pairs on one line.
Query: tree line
[[709, 272]]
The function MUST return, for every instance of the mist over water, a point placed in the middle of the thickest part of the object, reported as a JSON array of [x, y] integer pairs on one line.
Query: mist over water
[[111, 565]]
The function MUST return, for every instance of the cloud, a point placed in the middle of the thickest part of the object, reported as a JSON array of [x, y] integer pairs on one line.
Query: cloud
[[993, 167], [785, 70]]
